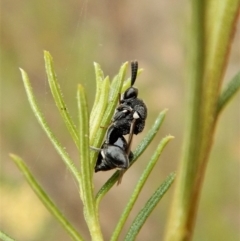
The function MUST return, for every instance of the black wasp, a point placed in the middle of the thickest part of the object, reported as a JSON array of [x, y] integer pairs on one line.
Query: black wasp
[[129, 118], [113, 154]]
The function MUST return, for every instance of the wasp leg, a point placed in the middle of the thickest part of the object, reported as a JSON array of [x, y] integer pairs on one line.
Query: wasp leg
[[121, 172]]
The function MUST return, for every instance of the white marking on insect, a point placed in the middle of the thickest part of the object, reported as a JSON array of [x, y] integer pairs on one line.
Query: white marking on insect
[[103, 154], [136, 115]]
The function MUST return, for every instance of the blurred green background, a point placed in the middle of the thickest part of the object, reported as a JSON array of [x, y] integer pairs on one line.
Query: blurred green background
[[77, 33]]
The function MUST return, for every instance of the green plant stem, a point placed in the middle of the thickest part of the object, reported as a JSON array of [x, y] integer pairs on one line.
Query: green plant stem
[[86, 187], [213, 24], [49, 204], [38, 114], [139, 187]]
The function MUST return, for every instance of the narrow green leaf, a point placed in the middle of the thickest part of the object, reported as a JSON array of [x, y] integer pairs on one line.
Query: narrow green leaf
[[87, 194], [100, 110], [114, 84], [99, 76], [41, 120], [96, 123], [230, 90], [58, 97], [5, 237], [139, 150], [139, 187], [148, 208], [113, 95], [84, 144], [49, 204]]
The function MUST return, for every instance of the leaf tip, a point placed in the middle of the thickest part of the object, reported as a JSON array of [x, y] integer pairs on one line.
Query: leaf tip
[[125, 64], [170, 137], [81, 89], [80, 86], [23, 73], [47, 55], [14, 157]]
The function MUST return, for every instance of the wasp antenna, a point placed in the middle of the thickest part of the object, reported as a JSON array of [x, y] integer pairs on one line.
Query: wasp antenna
[[134, 65]]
